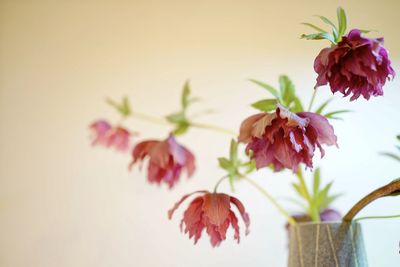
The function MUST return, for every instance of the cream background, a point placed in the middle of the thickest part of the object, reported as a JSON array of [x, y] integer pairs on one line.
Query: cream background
[[64, 203]]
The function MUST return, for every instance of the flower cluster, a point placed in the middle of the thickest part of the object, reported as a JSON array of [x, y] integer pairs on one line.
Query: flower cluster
[[284, 136], [356, 66], [284, 139]]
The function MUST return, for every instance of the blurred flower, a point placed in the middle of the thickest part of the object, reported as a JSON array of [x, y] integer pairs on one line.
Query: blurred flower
[[284, 139], [356, 65], [106, 135], [211, 211], [167, 159]]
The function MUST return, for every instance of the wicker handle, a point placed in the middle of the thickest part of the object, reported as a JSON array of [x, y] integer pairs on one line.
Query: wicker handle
[[391, 189]]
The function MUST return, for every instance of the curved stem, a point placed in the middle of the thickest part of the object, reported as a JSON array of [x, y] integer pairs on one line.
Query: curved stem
[[213, 128], [218, 183], [377, 217], [289, 218], [312, 99], [391, 189], [313, 210]]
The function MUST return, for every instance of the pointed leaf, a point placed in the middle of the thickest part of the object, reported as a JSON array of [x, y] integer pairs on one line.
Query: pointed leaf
[[181, 128], [330, 115], [327, 21], [265, 105], [314, 27], [323, 106], [287, 90], [297, 106], [316, 182], [224, 163], [341, 15], [233, 151], [185, 95], [268, 87], [176, 117], [391, 155], [319, 36], [299, 190]]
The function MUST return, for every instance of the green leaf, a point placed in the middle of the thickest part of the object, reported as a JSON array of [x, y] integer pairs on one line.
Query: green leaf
[[365, 31], [391, 155], [185, 95], [225, 164], [327, 21], [314, 27], [322, 195], [323, 106], [181, 128], [265, 105], [316, 182], [233, 152], [329, 200], [123, 108], [297, 106], [330, 115], [319, 36], [250, 166], [287, 90], [299, 190], [176, 117], [341, 16], [398, 137], [268, 87]]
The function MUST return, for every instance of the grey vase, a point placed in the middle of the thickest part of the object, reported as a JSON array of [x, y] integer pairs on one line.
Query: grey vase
[[326, 244]]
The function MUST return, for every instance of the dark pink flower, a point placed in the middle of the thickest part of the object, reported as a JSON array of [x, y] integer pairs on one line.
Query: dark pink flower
[[167, 159], [106, 135], [211, 211], [356, 65], [284, 139]]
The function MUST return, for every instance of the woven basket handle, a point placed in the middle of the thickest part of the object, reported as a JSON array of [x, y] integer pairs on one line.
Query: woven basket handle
[[391, 189]]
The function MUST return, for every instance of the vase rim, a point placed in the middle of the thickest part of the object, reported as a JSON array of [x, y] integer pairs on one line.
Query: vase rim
[[325, 223]]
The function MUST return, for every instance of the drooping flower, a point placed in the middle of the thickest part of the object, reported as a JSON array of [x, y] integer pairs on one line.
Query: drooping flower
[[355, 66], [106, 135], [167, 159], [212, 212], [284, 139]]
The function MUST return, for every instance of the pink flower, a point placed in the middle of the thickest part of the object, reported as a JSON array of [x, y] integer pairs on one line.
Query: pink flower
[[211, 211], [167, 159], [284, 139], [356, 65], [106, 135]]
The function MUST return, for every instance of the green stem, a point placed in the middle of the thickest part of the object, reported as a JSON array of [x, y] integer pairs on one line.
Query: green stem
[[213, 128], [313, 210], [218, 183], [162, 121], [153, 119], [312, 99], [289, 218], [377, 217]]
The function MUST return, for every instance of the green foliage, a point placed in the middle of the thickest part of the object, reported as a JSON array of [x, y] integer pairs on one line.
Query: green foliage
[[123, 108], [337, 30], [393, 155], [286, 95], [319, 198], [333, 114], [234, 167], [265, 105], [179, 119]]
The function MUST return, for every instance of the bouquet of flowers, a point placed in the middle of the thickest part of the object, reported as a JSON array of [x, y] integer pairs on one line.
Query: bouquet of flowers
[[283, 135]]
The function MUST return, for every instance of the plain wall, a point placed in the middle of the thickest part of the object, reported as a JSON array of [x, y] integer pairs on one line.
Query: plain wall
[[65, 203]]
